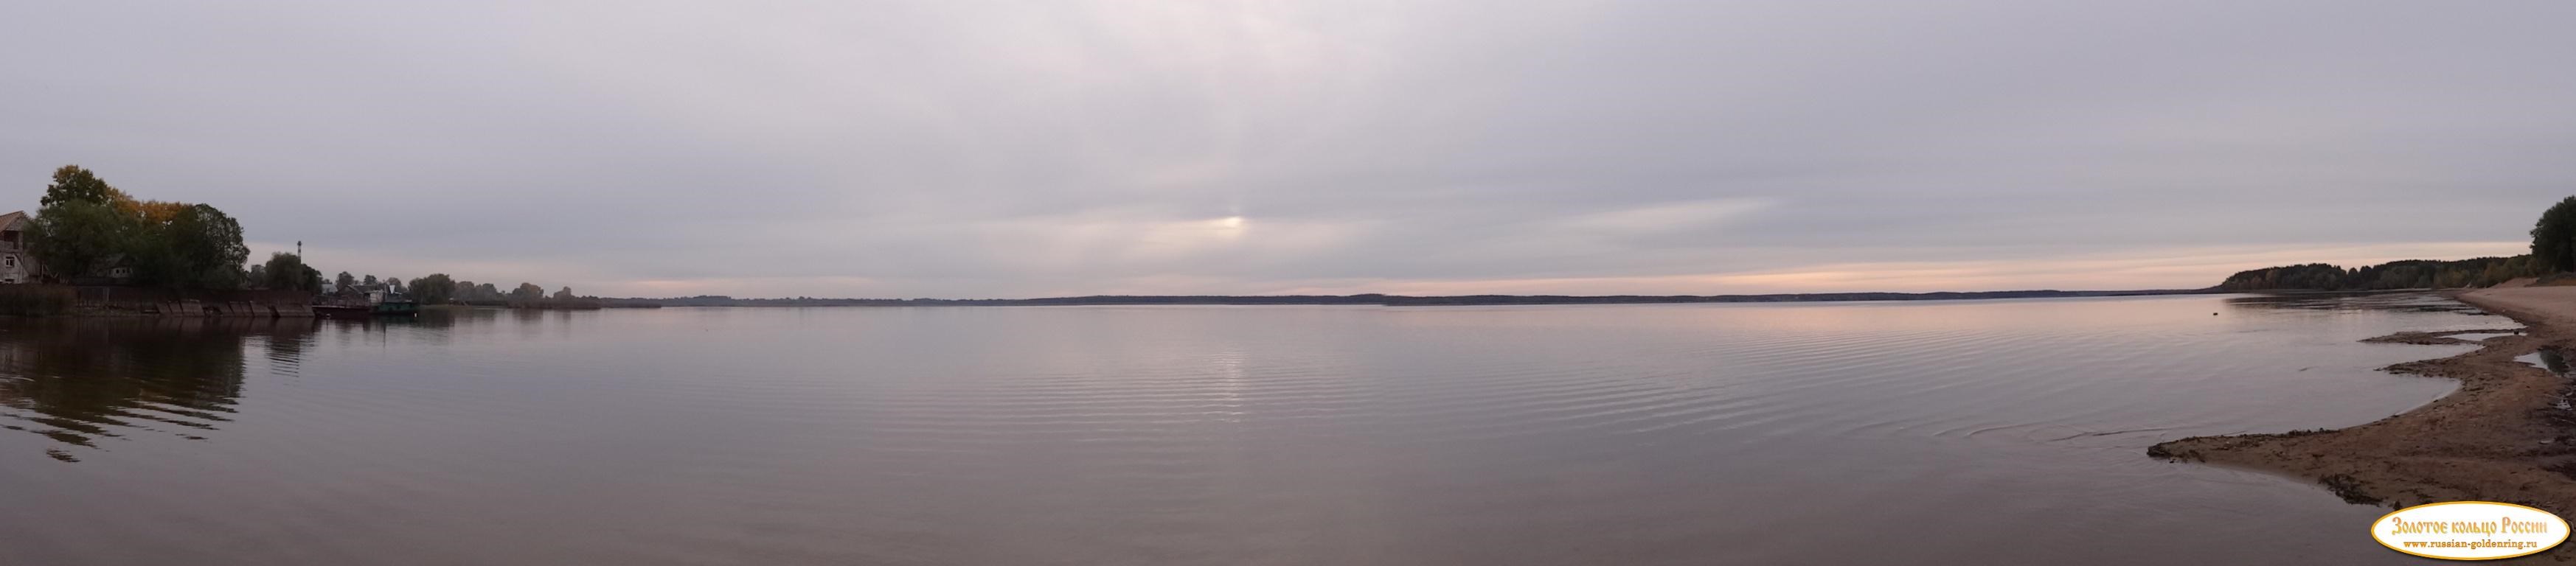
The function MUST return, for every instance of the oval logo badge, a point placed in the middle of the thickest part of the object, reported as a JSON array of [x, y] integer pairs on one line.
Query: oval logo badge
[[2469, 530]]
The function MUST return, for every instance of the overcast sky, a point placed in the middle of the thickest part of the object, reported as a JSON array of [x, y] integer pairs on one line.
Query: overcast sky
[[994, 149]]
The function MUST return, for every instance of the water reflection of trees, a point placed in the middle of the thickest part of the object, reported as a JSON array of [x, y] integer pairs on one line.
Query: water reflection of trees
[[79, 381], [2407, 301]]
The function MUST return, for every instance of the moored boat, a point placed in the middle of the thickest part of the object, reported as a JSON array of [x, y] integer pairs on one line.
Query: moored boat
[[374, 304], [396, 308], [343, 311]]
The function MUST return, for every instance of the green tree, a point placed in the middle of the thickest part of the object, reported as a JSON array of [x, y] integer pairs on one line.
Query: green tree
[[2553, 239], [86, 227], [433, 289], [2403, 274], [76, 238], [203, 248], [287, 271], [527, 292], [74, 184], [344, 282], [565, 294]]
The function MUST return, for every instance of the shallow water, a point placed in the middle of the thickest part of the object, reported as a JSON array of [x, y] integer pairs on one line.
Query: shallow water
[[2551, 359], [1970, 432]]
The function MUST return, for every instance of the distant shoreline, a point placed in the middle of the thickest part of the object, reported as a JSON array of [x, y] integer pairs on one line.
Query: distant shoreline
[[2505, 435], [1405, 300]]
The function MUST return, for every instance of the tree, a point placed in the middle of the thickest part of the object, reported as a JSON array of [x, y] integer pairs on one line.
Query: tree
[[257, 275], [2404, 274], [76, 238], [527, 292], [433, 289], [369, 282], [565, 294], [2553, 239], [87, 227], [344, 282], [286, 271], [203, 248], [74, 184], [487, 292]]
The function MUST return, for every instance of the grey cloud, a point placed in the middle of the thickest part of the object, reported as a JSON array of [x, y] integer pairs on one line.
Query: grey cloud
[[1000, 149]]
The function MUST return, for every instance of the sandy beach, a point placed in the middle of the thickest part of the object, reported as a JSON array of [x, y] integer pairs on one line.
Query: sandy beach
[[2503, 436]]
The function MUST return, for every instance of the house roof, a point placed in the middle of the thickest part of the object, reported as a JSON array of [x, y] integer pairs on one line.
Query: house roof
[[12, 218]]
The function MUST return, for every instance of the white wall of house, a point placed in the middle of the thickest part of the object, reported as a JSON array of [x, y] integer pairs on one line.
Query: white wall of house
[[16, 266]]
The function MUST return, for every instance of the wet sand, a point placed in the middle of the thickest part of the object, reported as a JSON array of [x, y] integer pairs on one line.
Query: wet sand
[[2502, 436]]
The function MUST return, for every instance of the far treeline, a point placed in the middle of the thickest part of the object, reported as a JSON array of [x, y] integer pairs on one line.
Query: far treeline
[[439, 289], [2405, 274], [2553, 255], [88, 232]]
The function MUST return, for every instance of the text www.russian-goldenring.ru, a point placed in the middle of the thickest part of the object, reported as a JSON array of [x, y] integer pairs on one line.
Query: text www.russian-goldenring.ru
[[2472, 544]]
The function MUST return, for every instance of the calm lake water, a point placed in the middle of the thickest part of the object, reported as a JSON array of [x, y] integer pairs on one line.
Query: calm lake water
[[1975, 432]]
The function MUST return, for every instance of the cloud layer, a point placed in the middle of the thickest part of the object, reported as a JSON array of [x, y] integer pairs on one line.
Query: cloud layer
[[968, 149]]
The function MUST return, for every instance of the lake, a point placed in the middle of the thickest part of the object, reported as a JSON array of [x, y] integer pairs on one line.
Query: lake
[[1961, 432]]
